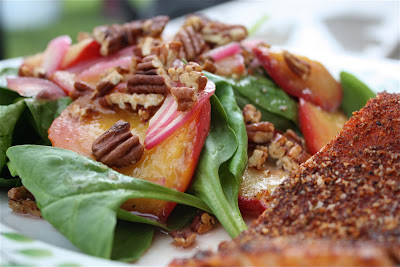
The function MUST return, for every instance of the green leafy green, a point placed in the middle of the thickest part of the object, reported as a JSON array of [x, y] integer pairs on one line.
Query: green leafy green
[[43, 113], [355, 93], [8, 96], [81, 197], [274, 104], [220, 147], [9, 116], [131, 240], [4, 72]]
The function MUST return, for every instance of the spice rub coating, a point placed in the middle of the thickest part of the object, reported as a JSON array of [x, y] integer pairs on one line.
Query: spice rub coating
[[348, 192]]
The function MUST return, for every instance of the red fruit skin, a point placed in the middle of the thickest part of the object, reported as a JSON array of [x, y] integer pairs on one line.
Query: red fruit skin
[[318, 126], [251, 206], [85, 50], [319, 88]]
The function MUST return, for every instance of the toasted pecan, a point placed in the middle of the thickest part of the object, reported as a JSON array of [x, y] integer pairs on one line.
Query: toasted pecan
[[117, 146]]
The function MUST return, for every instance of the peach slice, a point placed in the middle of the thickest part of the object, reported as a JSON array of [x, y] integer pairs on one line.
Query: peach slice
[[257, 185], [171, 163], [301, 77], [85, 50], [319, 126]]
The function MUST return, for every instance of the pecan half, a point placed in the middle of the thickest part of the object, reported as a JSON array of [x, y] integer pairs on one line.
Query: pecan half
[[192, 41], [202, 223], [22, 201], [117, 146], [184, 238], [261, 132], [299, 66]]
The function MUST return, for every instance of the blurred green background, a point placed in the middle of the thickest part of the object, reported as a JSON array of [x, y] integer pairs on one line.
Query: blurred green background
[[74, 16]]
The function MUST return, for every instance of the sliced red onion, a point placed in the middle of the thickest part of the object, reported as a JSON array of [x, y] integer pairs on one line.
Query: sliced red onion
[[222, 52], [54, 54], [35, 87], [167, 119]]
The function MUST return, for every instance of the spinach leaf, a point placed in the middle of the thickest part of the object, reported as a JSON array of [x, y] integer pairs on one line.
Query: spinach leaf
[[131, 240], [9, 116], [355, 93], [43, 113], [233, 169], [8, 183], [81, 197], [7, 96], [274, 104], [220, 146]]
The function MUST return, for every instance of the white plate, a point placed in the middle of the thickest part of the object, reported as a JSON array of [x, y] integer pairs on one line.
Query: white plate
[[47, 247]]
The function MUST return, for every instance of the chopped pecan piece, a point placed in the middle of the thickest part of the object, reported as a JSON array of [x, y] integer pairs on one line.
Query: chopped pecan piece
[[115, 37], [105, 85], [155, 26], [196, 21], [276, 148], [220, 34], [299, 66], [22, 201], [134, 100], [192, 79], [184, 238], [261, 132], [202, 223], [167, 53], [185, 97], [259, 157], [251, 114], [209, 66], [117, 146], [288, 154]]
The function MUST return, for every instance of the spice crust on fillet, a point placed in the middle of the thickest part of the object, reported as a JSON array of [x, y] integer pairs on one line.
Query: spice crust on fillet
[[346, 197]]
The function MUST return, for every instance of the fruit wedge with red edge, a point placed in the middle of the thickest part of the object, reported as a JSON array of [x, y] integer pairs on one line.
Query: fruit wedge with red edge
[[82, 51], [170, 163], [301, 77], [318, 126], [35, 87], [257, 185], [93, 74], [55, 53], [231, 65], [64, 79]]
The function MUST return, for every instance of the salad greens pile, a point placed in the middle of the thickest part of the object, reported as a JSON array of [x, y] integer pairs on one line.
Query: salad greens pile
[[81, 198]]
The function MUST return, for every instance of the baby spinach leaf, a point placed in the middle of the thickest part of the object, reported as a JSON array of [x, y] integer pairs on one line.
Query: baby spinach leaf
[[43, 113], [9, 116], [81, 197], [7, 96], [234, 168], [355, 93], [8, 183], [126, 246], [220, 146], [274, 104]]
